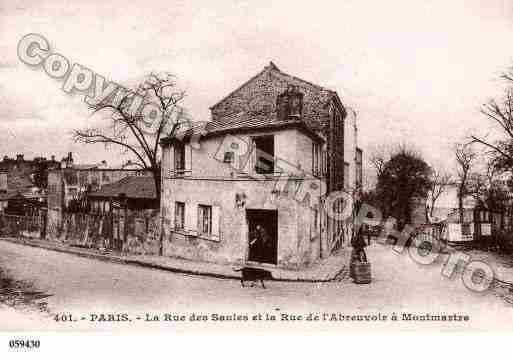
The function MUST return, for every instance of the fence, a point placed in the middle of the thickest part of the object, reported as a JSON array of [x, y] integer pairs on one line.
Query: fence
[[23, 226], [427, 233], [136, 232]]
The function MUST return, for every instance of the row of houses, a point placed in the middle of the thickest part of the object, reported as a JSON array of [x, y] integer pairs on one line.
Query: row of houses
[[474, 223], [23, 184]]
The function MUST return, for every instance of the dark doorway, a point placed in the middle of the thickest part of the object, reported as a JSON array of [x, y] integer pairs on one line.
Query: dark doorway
[[262, 235]]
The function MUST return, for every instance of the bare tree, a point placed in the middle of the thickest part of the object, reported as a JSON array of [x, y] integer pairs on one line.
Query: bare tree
[[465, 158], [378, 161], [138, 121], [501, 113], [439, 182], [380, 154]]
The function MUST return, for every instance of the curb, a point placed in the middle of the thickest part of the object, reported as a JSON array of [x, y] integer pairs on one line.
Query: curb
[[138, 263]]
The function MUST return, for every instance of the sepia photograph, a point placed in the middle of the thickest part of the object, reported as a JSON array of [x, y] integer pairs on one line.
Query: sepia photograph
[[280, 166]]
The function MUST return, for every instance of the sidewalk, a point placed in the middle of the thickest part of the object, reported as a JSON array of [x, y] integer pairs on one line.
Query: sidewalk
[[329, 269]]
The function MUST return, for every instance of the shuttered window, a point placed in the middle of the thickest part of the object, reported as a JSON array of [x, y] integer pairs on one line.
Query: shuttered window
[[191, 218], [179, 215], [216, 222], [188, 158], [205, 219]]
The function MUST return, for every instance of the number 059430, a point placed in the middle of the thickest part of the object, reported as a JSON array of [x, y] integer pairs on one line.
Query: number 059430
[[24, 344]]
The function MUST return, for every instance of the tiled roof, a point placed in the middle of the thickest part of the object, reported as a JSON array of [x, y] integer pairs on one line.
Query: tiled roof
[[84, 167], [243, 122], [133, 186]]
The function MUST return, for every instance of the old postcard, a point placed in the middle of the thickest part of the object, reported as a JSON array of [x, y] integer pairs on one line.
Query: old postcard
[[251, 165]]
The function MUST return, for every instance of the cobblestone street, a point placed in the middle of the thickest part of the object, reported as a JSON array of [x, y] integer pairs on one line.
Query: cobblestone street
[[68, 284]]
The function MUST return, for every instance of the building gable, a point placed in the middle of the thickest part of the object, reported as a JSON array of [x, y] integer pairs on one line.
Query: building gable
[[257, 97]]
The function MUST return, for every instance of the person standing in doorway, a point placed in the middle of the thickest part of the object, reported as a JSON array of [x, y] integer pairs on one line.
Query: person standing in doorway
[[260, 243]]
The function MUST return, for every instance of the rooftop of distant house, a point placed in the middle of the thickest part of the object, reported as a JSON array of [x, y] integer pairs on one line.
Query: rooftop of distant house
[[20, 158], [134, 187]]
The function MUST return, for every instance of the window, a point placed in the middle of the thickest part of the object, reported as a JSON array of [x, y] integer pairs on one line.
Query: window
[[324, 163], [228, 157], [205, 219], [346, 175], [315, 223], [359, 168], [316, 159], [179, 215], [179, 152], [465, 229], [264, 151]]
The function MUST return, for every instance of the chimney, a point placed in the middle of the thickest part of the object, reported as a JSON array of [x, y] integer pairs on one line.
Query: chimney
[[19, 157], [70, 157], [289, 103], [52, 158]]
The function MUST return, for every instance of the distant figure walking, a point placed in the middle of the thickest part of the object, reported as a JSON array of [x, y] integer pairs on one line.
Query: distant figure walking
[[358, 243]]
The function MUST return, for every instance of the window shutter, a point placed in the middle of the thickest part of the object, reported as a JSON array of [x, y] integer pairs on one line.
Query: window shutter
[[188, 158], [170, 161], [164, 167], [199, 219], [253, 158], [170, 215], [191, 218], [216, 221]]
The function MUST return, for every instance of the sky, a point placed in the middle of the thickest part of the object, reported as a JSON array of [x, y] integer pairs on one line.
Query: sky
[[415, 71]]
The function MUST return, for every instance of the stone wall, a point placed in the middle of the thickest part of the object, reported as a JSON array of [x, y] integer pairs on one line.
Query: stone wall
[[298, 245], [259, 96], [215, 183], [21, 226]]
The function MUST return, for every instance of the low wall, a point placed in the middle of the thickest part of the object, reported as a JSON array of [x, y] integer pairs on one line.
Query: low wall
[[133, 232], [22, 226]]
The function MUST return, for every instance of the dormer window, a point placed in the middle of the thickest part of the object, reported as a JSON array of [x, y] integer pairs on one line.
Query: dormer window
[[264, 154]]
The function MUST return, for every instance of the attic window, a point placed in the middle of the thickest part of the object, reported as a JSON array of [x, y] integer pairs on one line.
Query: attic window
[[264, 150]]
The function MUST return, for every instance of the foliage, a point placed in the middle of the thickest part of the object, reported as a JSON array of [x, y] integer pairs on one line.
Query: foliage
[[404, 177]]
